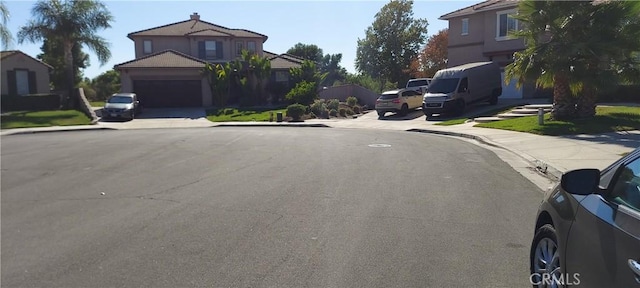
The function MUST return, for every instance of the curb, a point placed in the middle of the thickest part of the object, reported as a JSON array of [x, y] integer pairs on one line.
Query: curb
[[56, 130], [541, 167], [273, 125]]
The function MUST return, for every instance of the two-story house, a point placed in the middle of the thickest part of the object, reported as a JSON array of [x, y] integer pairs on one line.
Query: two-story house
[[481, 33], [166, 71]]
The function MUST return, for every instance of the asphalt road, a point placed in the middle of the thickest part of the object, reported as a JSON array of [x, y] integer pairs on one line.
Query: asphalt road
[[261, 207]]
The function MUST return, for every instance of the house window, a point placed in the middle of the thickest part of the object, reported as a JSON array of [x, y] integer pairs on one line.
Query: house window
[[465, 26], [239, 47], [282, 76], [22, 82], [505, 24], [251, 46], [210, 50], [148, 48]]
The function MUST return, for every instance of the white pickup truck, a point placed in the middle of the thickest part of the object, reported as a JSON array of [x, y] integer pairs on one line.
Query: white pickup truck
[[419, 84]]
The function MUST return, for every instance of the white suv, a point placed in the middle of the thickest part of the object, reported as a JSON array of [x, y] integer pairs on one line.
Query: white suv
[[399, 101]]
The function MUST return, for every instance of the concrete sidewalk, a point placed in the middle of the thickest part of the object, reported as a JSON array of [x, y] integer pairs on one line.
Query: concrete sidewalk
[[551, 154]]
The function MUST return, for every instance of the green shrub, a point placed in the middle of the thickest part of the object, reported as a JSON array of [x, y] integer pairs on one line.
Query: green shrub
[[318, 106], [228, 111], [325, 113], [333, 104], [303, 93], [349, 111], [352, 101], [296, 111], [342, 112], [356, 109], [333, 112]]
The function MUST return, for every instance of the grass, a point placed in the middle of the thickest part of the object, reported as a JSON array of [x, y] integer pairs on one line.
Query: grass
[[242, 114], [26, 119], [489, 113], [607, 119], [97, 103]]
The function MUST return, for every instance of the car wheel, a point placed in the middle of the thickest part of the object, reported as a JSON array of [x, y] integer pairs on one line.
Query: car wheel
[[545, 257], [381, 114], [404, 110]]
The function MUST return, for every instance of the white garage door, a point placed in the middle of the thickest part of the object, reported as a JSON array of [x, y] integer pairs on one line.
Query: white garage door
[[510, 90]]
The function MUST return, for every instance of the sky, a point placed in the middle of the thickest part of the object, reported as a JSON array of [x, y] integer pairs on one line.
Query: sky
[[334, 26]]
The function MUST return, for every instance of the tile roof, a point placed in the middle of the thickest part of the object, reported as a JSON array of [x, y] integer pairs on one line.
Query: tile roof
[[188, 27], [9, 53], [209, 32], [481, 7], [292, 57], [164, 59], [279, 62], [268, 54]]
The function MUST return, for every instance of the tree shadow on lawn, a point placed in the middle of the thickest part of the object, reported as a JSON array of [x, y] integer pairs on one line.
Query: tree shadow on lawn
[[618, 123]]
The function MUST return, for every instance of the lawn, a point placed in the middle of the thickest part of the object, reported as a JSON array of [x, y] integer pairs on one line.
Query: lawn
[[489, 113], [607, 119], [97, 103], [25, 119], [242, 114]]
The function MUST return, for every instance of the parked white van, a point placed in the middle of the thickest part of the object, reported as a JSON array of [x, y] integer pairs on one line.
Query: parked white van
[[452, 89], [419, 84]]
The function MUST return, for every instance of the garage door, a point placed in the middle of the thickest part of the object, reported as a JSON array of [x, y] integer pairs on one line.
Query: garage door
[[168, 93], [509, 90]]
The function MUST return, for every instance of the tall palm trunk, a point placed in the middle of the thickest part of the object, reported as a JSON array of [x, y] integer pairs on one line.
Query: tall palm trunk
[[68, 59], [586, 106], [563, 102]]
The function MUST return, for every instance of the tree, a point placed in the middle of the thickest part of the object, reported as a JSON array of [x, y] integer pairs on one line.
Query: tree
[[391, 42], [69, 22], [5, 35], [106, 84], [307, 51], [329, 63], [53, 54], [577, 48], [433, 57], [307, 72], [217, 76]]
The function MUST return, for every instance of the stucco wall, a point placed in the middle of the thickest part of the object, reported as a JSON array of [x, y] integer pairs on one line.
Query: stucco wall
[[189, 46], [20, 61], [476, 30], [158, 44], [465, 54], [127, 76]]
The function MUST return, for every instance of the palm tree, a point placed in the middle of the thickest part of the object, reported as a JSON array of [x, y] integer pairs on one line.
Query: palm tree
[[5, 35], [70, 22], [261, 67], [547, 57], [572, 47]]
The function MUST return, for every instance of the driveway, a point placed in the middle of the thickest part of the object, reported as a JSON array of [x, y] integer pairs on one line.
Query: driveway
[[162, 118]]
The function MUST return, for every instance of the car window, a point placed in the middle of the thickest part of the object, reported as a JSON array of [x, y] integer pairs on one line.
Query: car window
[[463, 85], [417, 83], [626, 188], [120, 99], [388, 96]]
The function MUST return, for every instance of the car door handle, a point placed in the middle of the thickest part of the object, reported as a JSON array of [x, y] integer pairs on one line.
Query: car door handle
[[635, 267]]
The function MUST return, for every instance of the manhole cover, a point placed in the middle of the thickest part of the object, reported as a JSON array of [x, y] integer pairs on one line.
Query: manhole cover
[[379, 145]]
